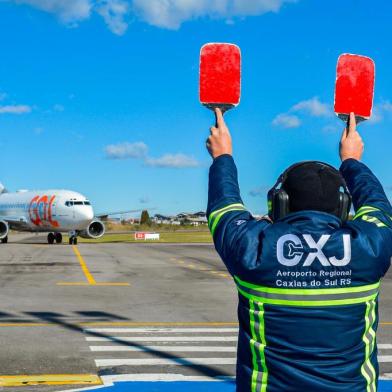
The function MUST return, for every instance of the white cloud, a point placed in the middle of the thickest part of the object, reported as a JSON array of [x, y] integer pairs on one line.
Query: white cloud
[[257, 7], [15, 109], [313, 107], [285, 120], [377, 114], [71, 12], [114, 13], [387, 106], [172, 13], [161, 13], [139, 150], [68, 11], [172, 161], [126, 151]]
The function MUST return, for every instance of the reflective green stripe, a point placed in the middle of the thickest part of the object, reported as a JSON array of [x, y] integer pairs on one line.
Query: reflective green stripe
[[214, 213], [276, 290], [369, 338], [372, 219], [307, 303], [307, 297], [262, 348], [217, 215], [255, 370], [218, 218], [365, 210]]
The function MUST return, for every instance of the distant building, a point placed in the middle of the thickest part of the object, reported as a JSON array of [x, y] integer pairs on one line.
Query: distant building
[[195, 219]]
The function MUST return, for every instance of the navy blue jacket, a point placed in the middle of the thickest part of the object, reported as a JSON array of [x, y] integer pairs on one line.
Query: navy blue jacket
[[308, 286]]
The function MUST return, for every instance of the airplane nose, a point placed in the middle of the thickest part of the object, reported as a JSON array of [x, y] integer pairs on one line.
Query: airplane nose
[[89, 214]]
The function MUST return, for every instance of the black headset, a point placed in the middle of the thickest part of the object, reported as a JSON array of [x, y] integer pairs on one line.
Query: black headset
[[278, 199]]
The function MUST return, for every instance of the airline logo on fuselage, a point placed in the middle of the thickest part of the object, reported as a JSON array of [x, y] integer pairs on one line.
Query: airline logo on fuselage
[[41, 211]]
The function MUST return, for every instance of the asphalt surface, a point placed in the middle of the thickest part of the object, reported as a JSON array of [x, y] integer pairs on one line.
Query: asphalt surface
[[47, 304], [141, 310]]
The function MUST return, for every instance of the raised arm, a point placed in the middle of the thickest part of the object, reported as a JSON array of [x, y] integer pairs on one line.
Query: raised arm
[[232, 226], [368, 195]]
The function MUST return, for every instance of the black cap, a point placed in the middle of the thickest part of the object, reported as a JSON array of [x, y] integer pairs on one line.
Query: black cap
[[313, 186]]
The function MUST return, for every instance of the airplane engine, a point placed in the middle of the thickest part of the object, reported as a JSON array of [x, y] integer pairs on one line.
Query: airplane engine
[[96, 229], [4, 229]]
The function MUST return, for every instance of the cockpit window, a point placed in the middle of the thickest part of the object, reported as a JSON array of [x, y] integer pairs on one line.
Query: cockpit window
[[70, 203]]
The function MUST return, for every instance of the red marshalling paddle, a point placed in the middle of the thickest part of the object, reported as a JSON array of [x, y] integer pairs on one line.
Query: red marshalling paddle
[[354, 87], [220, 76]]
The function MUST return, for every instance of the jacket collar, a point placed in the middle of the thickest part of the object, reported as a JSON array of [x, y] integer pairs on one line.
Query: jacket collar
[[312, 218]]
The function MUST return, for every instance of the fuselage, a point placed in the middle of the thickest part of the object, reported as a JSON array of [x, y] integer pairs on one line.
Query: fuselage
[[46, 211]]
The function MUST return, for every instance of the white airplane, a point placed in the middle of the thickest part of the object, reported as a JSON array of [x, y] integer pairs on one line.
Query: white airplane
[[50, 211]]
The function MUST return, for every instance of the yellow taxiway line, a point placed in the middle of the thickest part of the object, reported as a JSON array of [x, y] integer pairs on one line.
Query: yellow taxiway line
[[50, 379], [87, 273], [89, 277]]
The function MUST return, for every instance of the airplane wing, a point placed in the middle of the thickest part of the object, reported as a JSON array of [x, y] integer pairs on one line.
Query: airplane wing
[[15, 222], [104, 215], [14, 219]]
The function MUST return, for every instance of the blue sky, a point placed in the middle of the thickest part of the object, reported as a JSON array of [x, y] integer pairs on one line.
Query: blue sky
[[86, 81]]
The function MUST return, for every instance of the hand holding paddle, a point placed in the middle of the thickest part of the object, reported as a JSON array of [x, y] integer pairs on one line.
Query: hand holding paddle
[[351, 144], [219, 142]]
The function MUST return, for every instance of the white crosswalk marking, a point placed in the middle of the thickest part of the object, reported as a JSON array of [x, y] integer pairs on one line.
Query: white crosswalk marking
[[178, 351], [384, 346], [163, 330], [164, 339], [177, 361], [382, 358], [170, 349], [175, 352]]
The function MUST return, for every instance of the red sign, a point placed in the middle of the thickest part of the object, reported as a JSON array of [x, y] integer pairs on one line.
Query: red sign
[[140, 235]]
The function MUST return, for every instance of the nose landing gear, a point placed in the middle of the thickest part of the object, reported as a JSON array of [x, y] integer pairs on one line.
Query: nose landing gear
[[73, 238]]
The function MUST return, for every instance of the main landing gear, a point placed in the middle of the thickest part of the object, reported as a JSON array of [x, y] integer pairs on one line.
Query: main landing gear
[[4, 240], [55, 237]]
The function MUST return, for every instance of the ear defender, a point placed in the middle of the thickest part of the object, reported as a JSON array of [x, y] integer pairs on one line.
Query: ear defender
[[344, 205], [279, 201], [278, 204]]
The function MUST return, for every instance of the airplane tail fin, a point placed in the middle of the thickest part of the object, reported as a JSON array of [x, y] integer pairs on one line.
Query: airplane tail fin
[[2, 188]]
